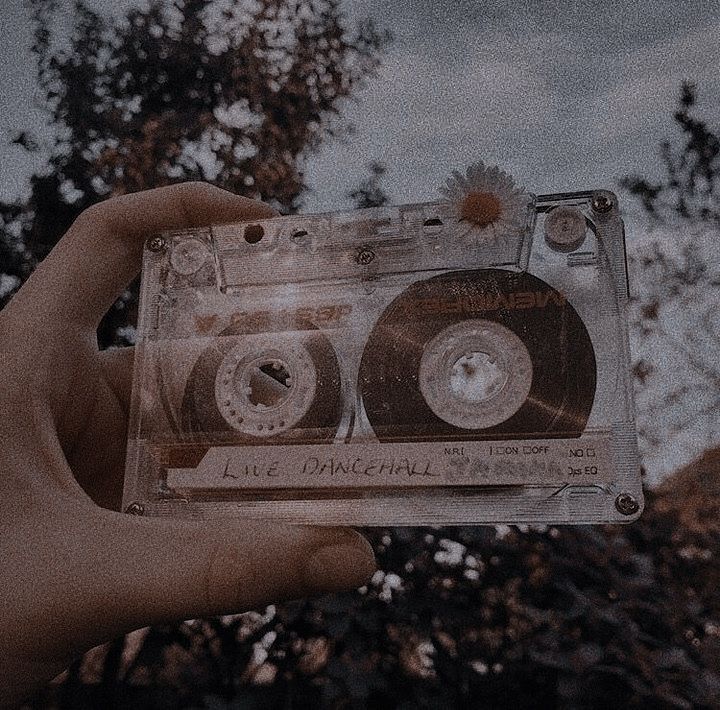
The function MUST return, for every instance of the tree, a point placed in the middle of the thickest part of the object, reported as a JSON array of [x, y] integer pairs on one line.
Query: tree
[[690, 187], [238, 94], [675, 315], [369, 192], [570, 617]]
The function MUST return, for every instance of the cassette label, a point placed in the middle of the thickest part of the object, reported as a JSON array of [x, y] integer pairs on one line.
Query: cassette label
[[537, 462]]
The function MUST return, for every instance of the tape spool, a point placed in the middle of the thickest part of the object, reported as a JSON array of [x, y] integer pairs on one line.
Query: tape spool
[[257, 387], [481, 354]]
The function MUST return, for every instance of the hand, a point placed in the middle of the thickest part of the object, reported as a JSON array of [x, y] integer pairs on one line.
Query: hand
[[72, 574]]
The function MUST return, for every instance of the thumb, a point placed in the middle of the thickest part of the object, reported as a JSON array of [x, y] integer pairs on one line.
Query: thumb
[[171, 570]]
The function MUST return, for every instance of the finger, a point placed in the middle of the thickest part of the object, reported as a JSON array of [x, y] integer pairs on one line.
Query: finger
[[100, 254], [97, 456], [117, 369], [164, 571]]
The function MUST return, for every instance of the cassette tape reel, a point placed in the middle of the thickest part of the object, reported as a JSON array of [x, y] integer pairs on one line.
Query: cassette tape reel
[[472, 370], [257, 387], [419, 364]]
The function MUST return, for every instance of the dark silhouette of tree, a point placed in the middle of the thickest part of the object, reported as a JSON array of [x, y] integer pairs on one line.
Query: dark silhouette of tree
[[690, 186], [564, 617], [369, 192], [676, 282], [237, 94]]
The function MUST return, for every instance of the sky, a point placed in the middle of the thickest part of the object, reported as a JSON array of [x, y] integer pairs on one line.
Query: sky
[[563, 95]]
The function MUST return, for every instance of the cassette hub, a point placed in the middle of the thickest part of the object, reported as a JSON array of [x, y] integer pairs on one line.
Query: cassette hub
[[262, 389], [475, 374]]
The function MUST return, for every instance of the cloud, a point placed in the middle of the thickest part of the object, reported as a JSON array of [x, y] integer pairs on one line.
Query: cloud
[[565, 98], [424, 118]]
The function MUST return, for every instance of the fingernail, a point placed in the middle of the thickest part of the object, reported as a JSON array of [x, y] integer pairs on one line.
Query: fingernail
[[334, 568]]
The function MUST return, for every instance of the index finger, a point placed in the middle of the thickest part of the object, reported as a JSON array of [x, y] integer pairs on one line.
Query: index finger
[[101, 252]]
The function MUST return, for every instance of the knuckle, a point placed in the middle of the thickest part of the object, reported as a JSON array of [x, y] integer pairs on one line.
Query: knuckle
[[95, 214], [196, 189]]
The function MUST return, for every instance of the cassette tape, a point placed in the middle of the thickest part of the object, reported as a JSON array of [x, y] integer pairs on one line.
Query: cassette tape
[[459, 361]]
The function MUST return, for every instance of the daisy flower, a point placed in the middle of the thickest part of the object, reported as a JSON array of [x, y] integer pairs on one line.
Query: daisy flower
[[487, 201]]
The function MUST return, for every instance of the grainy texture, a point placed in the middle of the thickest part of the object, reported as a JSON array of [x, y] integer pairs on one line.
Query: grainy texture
[[583, 617]]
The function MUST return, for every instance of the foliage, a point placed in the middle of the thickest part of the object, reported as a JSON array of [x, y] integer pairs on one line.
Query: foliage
[[238, 94], [690, 188], [370, 193], [571, 617], [676, 277]]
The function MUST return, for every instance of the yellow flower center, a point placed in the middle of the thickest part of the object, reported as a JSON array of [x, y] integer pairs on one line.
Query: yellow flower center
[[481, 208]]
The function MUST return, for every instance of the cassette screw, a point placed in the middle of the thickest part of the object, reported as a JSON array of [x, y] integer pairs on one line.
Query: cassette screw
[[135, 509], [365, 256], [157, 244], [627, 504], [602, 202]]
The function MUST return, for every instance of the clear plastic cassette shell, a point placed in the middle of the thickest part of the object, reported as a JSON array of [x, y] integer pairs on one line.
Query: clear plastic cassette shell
[[382, 367]]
